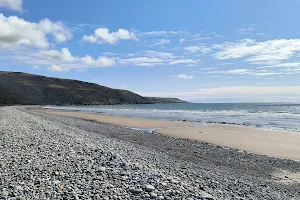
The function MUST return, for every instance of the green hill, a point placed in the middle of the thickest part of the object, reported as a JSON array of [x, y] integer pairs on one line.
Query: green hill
[[166, 100], [29, 89]]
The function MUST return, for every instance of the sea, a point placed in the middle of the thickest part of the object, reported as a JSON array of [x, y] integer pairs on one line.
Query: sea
[[274, 116]]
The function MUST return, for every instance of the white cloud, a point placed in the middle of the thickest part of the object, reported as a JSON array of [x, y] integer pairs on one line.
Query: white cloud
[[256, 73], [294, 64], [60, 32], [16, 31], [109, 54], [233, 71], [102, 35], [100, 62], [181, 40], [206, 68], [259, 74], [190, 65], [283, 65], [291, 71], [161, 42], [161, 33], [201, 37], [245, 31], [12, 4], [200, 71], [159, 54], [141, 61], [226, 63], [35, 67], [259, 52], [56, 68], [151, 33], [152, 58], [183, 61], [195, 49], [64, 59], [59, 61], [184, 76], [63, 55], [260, 34]]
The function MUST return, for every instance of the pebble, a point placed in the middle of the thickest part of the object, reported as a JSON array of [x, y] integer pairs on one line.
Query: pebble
[[136, 190], [149, 188], [206, 196], [5, 193], [50, 157], [152, 194], [56, 182], [102, 169]]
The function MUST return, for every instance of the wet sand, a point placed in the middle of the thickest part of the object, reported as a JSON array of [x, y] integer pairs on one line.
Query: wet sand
[[265, 142]]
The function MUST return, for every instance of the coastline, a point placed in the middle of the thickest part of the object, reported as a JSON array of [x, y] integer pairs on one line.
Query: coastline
[[264, 142], [71, 157]]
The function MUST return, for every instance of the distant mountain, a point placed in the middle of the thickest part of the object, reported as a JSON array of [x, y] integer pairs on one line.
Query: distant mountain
[[29, 89], [166, 100]]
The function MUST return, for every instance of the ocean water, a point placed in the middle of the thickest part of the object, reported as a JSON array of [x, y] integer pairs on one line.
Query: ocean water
[[275, 116]]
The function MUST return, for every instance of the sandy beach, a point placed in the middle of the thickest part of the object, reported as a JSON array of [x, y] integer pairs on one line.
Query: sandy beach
[[265, 142]]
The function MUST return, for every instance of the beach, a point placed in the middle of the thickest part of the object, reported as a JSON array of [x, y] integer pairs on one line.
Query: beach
[[49, 156], [266, 142]]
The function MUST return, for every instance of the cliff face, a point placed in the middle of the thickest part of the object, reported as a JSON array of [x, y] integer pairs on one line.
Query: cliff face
[[29, 89]]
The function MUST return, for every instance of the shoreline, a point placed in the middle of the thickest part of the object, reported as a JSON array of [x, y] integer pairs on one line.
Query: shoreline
[[272, 143], [198, 122], [71, 156]]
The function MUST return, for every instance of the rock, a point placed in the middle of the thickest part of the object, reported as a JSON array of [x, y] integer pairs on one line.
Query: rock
[[175, 181], [5, 193], [136, 190], [56, 182], [102, 169], [19, 187], [149, 188], [164, 183], [206, 196], [152, 194]]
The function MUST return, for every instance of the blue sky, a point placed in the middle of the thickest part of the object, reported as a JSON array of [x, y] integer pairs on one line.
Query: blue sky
[[202, 51]]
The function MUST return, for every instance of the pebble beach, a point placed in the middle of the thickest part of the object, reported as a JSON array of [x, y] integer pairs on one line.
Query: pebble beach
[[45, 156]]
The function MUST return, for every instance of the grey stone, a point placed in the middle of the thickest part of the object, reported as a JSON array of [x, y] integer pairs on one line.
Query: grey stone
[[56, 182], [102, 169], [136, 190], [152, 194], [206, 196], [149, 188]]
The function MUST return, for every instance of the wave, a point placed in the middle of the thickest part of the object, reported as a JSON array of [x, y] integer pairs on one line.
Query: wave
[[275, 119]]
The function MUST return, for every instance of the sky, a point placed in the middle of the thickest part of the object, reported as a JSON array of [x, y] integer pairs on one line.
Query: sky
[[200, 51]]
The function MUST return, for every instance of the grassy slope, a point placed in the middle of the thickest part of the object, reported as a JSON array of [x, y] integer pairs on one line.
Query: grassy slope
[[22, 88]]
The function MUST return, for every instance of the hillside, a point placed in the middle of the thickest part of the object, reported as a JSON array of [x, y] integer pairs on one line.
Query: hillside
[[29, 89], [166, 100]]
